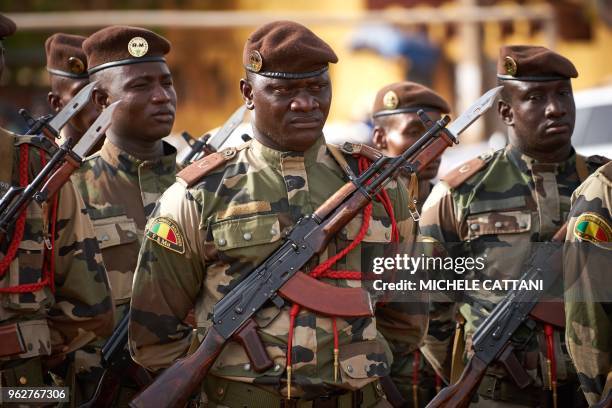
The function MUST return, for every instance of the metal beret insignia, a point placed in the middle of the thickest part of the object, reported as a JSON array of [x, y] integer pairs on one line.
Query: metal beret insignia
[[510, 65], [138, 47], [255, 61], [390, 100], [593, 227], [166, 233], [75, 65]]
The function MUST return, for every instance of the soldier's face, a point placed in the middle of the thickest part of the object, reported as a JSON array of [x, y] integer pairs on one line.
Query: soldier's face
[[289, 113], [542, 115], [62, 91], [401, 131], [148, 98]]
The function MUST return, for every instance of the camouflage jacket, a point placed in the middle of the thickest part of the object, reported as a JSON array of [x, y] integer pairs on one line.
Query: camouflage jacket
[[205, 237], [588, 307], [496, 206], [80, 308], [120, 192]]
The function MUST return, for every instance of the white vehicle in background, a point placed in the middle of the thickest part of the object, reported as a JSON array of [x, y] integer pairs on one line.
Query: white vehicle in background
[[593, 130]]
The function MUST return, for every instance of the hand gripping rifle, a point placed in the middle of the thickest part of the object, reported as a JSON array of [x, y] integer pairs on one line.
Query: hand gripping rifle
[[491, 341], [278, 277], [64, 161]]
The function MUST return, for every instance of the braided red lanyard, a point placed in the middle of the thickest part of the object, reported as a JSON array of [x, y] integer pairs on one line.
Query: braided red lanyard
[[48, 267], [323, 270]]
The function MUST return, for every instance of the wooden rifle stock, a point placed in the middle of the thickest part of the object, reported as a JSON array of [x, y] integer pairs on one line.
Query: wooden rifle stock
[[459, 395], [179, 381]]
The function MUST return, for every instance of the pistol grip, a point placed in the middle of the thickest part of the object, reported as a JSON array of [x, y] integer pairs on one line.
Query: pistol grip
[[514, 368], [249, 339]]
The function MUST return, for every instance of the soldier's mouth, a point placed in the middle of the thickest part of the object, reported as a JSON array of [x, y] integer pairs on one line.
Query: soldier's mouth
[[303, 122], [557, 128]]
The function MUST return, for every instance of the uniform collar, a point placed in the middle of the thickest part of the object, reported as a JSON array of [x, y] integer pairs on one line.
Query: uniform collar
[[274, 158], [130, 164], [527, 164]]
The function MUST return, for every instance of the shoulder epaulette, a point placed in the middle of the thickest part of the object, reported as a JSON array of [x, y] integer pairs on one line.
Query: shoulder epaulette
[[597, 160], [195, 171], [460, 174]]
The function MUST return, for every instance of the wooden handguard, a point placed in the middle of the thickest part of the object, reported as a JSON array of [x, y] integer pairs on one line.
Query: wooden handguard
[[432, 151], [325, 299], [249, 339], [59, 177]]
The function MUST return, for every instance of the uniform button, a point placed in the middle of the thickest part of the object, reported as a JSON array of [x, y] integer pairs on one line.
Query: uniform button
[[345, 231], [129, 234], [220, 391], [273, 231], [247, 367], [369, 231], [378, 387], [222, 242], [247, 236], [349, 368], [277, 367], [474, 227], [23, 380], [498, 224], [104, 238], [387, 235]]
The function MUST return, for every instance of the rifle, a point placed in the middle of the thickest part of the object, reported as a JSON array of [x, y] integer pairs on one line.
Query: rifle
[[117, 364], [491, 341], [207, 144], [278, 277], [64, 161]]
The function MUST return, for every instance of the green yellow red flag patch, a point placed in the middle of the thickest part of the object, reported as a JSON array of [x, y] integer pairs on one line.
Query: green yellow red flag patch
[[593, 227], [166, 233]]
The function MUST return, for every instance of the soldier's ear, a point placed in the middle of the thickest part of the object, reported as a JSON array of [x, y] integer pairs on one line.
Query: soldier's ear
[[505, 112], [100, 99], [247, 93], [379, 137], [55, 102]]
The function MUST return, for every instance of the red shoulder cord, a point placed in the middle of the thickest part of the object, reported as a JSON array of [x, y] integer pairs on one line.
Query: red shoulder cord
[[48, 267], [551, 361], [416, 363], [323, 270]]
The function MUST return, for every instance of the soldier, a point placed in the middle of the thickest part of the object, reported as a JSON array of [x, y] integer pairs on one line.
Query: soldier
[[54, 293], [496, 204], [67, 67], [121, 183], [587, 297], [397, 127], [219, 221]]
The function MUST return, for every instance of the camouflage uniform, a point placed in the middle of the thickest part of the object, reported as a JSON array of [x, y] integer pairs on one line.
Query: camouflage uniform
[[588, 309], [120, 192], [224, 225], [494, 206], [80, 308]]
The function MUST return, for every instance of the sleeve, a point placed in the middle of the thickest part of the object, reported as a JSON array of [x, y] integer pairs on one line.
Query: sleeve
[[438, 226], [83, 308], [168, 279], [588, 303]]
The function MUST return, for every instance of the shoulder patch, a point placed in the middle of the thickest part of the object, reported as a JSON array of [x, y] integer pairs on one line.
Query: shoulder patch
[[166, 233], [195, 171], [460, 174], [593, 227]]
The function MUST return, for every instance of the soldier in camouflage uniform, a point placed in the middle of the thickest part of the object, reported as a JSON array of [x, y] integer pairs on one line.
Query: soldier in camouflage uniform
[[54, 293], [499, 203], [67, 67], [588, 305], [121, 183], [228, 212], [397, 127]]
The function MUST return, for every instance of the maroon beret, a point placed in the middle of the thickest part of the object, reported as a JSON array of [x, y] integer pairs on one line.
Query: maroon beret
[[65, 56], [285, 49], [122, 45], [7, 27], [403, 97], [533, 63]]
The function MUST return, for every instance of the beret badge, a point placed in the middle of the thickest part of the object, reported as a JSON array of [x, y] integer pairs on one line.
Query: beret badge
[[75, 65], [255, 61], [390, 100], [510, 65], [138, 47]]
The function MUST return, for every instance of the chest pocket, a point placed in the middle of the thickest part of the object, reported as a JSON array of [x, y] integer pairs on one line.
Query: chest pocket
[[119, 241], [250, 238], [499, 223]]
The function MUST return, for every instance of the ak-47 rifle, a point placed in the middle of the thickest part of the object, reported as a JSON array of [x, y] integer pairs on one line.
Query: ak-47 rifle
[[491, 341], [64, 161], [278, 277], [207, 144], [117, 364]]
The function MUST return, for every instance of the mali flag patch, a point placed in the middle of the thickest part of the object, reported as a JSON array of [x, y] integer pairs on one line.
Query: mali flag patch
[[593, 227], [166, 233]]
